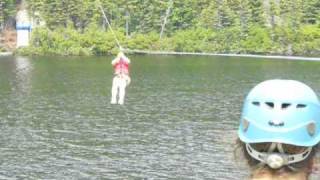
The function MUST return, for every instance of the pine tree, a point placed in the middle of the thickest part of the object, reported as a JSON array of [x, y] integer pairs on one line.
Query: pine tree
[[7, 12], [311, 11], [185, 13], [256, 12], [244, 14], [274, 13], [1, 15], [291, 13], [217, 15]]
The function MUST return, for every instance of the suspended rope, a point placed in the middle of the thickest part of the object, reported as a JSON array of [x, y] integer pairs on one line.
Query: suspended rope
[[109, 25], [166, 17]]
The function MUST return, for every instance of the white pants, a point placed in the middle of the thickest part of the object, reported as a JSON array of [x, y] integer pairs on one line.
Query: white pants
[[119, 84]]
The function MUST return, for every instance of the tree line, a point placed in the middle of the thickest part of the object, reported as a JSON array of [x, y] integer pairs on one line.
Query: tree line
[[286, 27]]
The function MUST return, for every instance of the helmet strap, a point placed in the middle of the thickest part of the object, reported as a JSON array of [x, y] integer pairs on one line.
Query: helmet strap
[[277, 160]]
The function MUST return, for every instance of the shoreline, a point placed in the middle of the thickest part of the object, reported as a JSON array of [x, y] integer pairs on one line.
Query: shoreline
[[135, 51], [6, 53], [155, 52]]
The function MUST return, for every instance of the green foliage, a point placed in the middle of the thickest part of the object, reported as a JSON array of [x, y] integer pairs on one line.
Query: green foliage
[[256, 12], [2, 49], [184, 14], [291, 13], [309, 41], [7, 12], [193, 40], [228, 40], [144, 41], [221, 26], [311, 12], [218, 15], [258, 41]]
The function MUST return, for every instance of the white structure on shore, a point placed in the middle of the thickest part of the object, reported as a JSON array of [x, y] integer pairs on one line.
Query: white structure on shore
[[23, 26]]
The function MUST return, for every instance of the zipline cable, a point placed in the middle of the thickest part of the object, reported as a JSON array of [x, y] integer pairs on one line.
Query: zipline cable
[[166, 17], [114, 34]]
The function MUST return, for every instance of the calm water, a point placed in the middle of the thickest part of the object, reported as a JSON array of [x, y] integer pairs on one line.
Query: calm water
[[179, 120]]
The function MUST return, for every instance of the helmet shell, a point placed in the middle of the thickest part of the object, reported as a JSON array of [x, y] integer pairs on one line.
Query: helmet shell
[[120, 54], [283, 111]]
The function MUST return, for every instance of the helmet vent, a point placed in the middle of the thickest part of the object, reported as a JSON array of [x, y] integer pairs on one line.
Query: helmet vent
[[311, 129], [245, 125], [301, 105], [256, 103], [276, 123], [285, 105], [270, 104]]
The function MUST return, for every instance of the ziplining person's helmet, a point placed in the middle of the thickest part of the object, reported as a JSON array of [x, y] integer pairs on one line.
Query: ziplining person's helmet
[[280, 112], [120, 54]]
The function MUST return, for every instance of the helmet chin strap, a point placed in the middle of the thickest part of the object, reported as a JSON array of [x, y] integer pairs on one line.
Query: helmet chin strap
[[277, 160]]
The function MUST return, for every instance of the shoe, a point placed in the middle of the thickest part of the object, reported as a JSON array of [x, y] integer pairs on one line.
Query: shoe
[[120, 102]]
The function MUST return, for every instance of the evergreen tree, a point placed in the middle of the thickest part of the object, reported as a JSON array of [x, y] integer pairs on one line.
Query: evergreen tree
[[185, 14], [291, 13], [217, 15], [7, 13], [256, 26], [244, 14], [256, 12], [274, 13], [311, 11]]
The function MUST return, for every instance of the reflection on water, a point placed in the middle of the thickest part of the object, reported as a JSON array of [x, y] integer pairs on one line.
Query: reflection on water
[[23, 73], [179, 120]]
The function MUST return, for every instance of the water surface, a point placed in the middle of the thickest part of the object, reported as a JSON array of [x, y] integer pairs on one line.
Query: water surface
[[179, 120]]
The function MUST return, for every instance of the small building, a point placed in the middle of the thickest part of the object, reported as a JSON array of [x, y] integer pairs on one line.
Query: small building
[[23, 27]]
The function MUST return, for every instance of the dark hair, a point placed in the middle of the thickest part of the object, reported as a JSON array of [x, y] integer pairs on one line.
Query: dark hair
[[305, 165]]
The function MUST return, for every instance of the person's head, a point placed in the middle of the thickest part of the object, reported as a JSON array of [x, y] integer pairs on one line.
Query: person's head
[[120, 54], [280, 127]]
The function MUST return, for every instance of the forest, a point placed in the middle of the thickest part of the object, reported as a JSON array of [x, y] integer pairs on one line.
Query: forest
[[77, 27]]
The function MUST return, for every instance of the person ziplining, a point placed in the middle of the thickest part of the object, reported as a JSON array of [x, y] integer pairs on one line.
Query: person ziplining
[[120, 65], [121, 79]]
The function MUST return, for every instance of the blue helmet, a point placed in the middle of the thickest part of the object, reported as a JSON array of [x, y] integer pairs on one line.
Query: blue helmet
[[281, 111]]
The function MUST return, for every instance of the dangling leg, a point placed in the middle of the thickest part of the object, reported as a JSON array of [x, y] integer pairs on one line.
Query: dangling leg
[[122, 90], [128, 80], [114, 90]]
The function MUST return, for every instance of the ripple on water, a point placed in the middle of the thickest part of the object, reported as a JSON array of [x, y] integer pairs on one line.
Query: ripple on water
[[179, 120]]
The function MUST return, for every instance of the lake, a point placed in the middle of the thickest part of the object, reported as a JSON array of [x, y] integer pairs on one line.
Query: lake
[[179, 120]]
